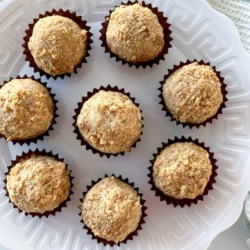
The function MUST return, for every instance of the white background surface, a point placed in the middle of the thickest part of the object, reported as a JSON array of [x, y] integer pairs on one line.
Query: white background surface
[[239, 12], [232, 239]]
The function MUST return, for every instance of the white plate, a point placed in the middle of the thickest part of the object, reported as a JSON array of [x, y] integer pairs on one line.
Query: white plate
[[198, 32]]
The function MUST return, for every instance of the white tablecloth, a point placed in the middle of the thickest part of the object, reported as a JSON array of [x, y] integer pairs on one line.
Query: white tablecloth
[[239, 12]]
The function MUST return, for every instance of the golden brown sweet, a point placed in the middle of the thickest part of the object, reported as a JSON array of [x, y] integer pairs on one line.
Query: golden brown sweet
[[192, 94], [111, 209], [182, 170], [26, 109], [57, 44], [38, 184], [110, 122], [134, 33]]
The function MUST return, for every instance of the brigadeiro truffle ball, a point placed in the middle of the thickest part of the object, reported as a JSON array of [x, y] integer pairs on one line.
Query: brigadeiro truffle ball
[[57, 44], [182, 170], [134, 33], [38, 184], [193, 93], [110, 122], [26, 109], [112, 209]]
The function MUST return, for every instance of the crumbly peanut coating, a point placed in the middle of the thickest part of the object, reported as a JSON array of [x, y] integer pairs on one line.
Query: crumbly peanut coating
[[26, 109], [134, 33], [112, 209], [57, 44], [182, 170], [38, 184], [110, 122], [193, 93]]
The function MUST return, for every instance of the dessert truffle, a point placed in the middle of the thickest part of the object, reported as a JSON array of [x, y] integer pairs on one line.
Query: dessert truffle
[[193, 93], [134, 33], [110, 122], [112, 209], [38, 184], [26, 109], [57, 44], [182, 170]]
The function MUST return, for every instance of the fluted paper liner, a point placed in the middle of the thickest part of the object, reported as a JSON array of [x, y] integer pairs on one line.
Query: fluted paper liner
[[78, 111], [77, 19], [223, 90], [129, 236], [166, 31], [183, 202], [55, 115], [27, 156]]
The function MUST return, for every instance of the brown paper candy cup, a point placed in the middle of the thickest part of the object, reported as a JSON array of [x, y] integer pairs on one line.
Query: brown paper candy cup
[[223, 90], [27, 156], [166, 30], [78, 110], [183, 202], [132, 234], [77, 19], [55, 115]]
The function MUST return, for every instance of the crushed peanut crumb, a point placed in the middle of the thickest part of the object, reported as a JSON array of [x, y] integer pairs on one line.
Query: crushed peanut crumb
[[38, 184], [112, 209], [134, 33], [26, 109], [193, 93], [57, 44], [110, 122], [182, 170]]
